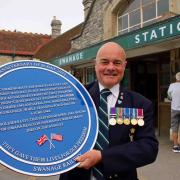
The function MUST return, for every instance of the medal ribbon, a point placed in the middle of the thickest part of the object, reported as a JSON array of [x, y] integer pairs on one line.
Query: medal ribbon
[[140, 113], [120, 112], [113, 112], [134, 113], [127, 112]]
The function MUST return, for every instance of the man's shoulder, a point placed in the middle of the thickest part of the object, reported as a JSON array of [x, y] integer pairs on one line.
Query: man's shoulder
[[91, 85], [136, 96], [176, 84]]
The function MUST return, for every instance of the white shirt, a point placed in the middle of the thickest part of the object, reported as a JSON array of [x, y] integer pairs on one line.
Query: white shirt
[[112, 98], [174, 94]]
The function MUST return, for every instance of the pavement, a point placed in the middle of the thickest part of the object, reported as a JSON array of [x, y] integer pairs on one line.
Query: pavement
[[166, 167]]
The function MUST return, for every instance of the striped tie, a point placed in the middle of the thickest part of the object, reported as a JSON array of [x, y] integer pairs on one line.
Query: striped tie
[[103, 134]]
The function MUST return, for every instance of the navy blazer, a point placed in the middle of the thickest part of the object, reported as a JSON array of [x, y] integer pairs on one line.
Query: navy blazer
[[123, 156]]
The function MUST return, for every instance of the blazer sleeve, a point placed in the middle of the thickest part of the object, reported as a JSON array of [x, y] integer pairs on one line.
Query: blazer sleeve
[[131, 155]]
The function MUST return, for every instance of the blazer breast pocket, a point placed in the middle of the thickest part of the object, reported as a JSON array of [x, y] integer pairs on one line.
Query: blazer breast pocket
[[119, 134]]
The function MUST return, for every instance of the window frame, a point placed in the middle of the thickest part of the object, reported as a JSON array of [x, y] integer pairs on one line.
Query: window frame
[[142, 23]]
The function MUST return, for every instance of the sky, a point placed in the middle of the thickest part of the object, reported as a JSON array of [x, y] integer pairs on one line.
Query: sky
[[36, 15]]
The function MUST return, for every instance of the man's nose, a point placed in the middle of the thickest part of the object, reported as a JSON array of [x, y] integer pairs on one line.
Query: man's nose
[[111, 66]]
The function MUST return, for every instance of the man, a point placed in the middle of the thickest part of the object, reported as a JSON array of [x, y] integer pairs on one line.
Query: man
[[130, 146], [174, 95]]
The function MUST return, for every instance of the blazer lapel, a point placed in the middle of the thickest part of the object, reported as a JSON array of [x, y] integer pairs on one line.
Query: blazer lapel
[[94, 92]]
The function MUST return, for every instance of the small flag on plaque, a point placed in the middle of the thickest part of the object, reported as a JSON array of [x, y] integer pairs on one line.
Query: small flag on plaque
[[42, 140], [56, 137]]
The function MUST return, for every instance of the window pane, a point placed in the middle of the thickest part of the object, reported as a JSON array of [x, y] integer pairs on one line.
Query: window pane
[[134, 17], [90, 75], [119, 24], [135, 27], [123, 22], [149, 12], [134, 4], [147, 1], [149, 22], [162, 6], [123, 32]]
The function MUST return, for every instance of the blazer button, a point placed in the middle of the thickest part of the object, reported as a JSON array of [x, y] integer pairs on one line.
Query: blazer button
[[116, 175], [110, 177]]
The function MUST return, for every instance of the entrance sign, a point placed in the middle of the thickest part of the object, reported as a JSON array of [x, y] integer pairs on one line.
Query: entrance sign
[[148, 35], [47, 118]]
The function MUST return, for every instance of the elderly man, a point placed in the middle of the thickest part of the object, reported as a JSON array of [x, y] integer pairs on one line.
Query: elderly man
[[126, 138], [174, 95]]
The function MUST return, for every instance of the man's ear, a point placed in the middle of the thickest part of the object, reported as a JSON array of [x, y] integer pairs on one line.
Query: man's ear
[[125, 63], [95, 63]]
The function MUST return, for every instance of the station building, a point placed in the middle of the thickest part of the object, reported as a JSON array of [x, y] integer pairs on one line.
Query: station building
[[149, 31]]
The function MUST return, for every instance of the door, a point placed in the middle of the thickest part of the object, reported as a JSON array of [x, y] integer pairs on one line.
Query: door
[[144, 80]]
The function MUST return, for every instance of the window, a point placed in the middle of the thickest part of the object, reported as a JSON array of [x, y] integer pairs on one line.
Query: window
[[134, 17], [90, 75], [141, 13], [162, 6], [144, 2], [123, 22], [149, 12], [134, 5]]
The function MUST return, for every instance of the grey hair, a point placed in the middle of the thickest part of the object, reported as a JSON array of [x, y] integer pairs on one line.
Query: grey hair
[[178, 76]]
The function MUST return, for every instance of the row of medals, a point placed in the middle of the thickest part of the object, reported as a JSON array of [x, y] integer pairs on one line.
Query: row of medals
[[127, 121], [114, 119]]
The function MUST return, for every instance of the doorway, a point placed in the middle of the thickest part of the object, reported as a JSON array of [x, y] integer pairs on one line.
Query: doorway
[[144, 80]]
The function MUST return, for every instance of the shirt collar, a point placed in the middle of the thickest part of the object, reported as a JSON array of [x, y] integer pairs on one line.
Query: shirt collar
[[114, 89]]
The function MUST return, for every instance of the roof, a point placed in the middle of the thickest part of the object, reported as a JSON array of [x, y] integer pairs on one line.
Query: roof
[[58, 46], [20, 43], [86, 19]]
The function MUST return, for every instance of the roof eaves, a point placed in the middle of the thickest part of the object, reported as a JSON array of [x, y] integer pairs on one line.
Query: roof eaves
[[16, 52]]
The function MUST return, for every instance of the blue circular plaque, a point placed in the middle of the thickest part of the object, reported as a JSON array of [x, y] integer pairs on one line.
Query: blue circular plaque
[[47, 118]]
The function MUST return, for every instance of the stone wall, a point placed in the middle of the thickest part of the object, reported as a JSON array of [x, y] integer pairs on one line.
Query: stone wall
[[93, 28], [6, 58]]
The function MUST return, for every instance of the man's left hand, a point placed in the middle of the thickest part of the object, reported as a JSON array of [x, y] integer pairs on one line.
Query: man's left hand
[[89, 159]]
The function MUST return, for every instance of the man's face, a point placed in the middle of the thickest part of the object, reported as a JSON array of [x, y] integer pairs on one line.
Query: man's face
[[110, 65]]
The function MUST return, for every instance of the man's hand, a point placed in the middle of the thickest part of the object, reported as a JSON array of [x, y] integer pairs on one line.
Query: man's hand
[[89, 159]]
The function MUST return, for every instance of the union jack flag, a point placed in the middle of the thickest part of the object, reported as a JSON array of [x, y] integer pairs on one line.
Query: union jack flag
[[42, 140]]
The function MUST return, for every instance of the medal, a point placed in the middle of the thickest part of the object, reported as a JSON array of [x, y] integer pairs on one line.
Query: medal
[[126, 113], [131, 134], [112, 121], [134, 121], [140, 122], [126, 121], [133, 115], [132, 130], [119, 121], [140, 117]]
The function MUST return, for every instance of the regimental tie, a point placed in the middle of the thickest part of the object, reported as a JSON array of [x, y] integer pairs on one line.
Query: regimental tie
[[103, 134]]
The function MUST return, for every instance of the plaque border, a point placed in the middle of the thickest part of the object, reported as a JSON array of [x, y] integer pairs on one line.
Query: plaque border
[[60, 73]]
